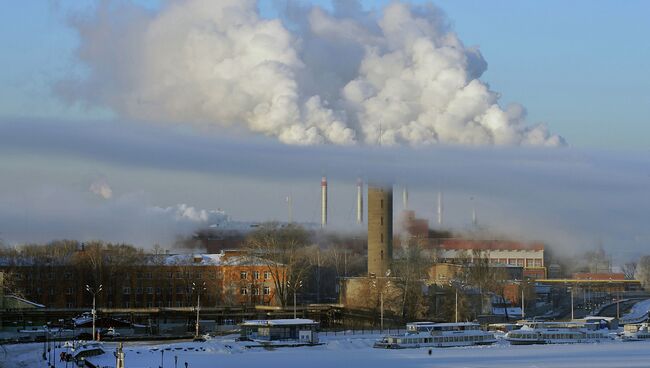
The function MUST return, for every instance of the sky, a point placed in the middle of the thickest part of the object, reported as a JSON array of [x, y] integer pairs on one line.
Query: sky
[[93, 146]]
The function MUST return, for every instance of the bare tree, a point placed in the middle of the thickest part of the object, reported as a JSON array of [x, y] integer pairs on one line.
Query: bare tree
[[629, 269], [283, 252], [643, 272]]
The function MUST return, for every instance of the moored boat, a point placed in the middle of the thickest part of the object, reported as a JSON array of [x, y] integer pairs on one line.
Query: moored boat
[[438, 335], [636, 332], [557, 333]]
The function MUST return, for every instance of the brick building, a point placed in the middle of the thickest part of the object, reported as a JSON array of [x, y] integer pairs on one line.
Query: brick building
[[162, 280]]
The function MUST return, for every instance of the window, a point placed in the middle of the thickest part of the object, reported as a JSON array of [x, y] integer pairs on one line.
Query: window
[[179, 304], [212, 275], [267, 275], [382, 220], [70, 305], [149, 304], [382, 237], [139, 275], [138, 290], [126, 290], [147, 275], [179, 290], [382, 203], [256, 275], [170, 275], [179, 274], [148, 290], [158, 291], [243, 291], [198, 275], [69, 291], [67, 275], [127, 304], [51, 291], [267, 290], [243, 275], [110, 304], [256, 291], [382, 255]]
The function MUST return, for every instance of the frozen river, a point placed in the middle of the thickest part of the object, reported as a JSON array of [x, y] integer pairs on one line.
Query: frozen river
[[355, 351]]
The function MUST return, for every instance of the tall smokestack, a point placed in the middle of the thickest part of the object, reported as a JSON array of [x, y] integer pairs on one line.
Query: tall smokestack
[[405, 198], [439, 208], [290, 208], [323, 202], [474, 220], [359, 201]]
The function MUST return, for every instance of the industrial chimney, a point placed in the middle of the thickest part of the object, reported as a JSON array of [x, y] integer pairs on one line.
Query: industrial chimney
[[323, 200], [440, 208], [380, 229], [359, 201]]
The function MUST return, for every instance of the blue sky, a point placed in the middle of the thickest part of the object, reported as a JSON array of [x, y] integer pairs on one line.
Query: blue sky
[[581, 66]]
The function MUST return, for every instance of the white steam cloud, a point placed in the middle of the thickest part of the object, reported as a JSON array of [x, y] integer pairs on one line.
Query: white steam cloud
[[346, 77], [101, 188]]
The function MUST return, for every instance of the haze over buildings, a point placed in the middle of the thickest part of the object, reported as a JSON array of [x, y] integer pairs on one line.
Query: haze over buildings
[[194, 114]]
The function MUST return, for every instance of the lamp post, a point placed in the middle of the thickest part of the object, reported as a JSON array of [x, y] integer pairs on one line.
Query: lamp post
[[94, 311], [198, 290], [296, 285], [455, 284], [571, 291], [381, 301], [456, 309]]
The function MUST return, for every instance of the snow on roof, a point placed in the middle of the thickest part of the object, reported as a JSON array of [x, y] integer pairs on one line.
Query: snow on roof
[[279, 322]]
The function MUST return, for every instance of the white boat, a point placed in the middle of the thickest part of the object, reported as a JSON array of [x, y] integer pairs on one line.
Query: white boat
[[557, 333], [636, 332], [437, 335]]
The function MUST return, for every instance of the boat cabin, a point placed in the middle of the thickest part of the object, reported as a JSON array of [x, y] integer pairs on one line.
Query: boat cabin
[[294, 330]]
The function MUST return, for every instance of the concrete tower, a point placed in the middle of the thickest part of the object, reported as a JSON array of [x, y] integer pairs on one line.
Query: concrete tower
[[323, 202], [380, 229]]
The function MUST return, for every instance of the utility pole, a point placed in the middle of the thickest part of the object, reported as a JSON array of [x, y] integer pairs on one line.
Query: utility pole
[[94, 311]]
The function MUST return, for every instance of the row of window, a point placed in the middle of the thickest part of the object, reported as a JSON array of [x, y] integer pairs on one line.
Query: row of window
[[521, 262], [139, 275], [256, 275], [255, 291]]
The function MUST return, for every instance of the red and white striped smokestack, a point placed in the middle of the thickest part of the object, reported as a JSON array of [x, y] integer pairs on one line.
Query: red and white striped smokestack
[[323, 202]]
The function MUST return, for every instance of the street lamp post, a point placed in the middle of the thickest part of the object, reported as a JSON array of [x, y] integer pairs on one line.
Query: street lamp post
[[198, 290], [456, 309], [296, 285], [571, 291], [94, 311], [381, 300]]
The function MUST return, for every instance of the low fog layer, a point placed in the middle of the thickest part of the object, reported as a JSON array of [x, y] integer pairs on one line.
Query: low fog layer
[[123, 181]]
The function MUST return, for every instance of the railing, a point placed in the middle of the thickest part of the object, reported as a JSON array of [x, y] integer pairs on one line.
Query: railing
[[362, 331]]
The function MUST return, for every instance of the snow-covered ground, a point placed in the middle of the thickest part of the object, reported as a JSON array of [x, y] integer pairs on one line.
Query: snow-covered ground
[[354, 351], [638, 313]]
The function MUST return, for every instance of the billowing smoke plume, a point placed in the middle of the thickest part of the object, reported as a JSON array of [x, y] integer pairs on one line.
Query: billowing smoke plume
[[343, 77], [101, 188]]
